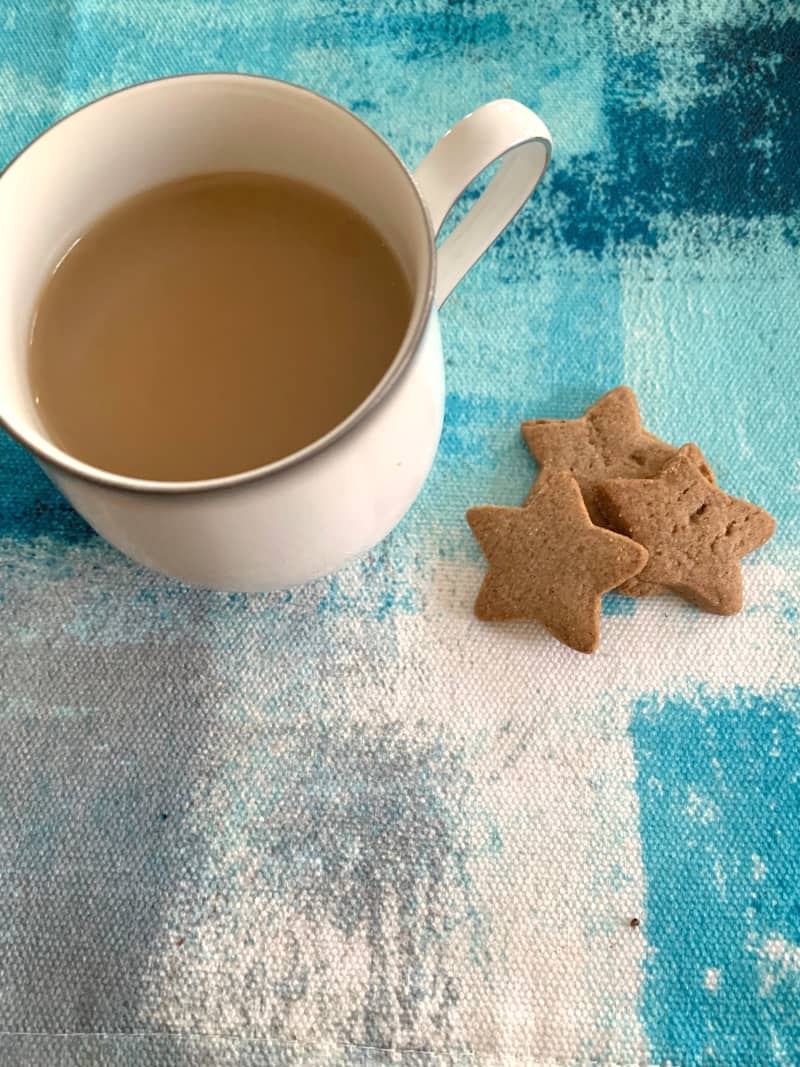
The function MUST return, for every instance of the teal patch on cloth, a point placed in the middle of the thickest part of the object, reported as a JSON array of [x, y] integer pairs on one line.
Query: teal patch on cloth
[[718, 777]]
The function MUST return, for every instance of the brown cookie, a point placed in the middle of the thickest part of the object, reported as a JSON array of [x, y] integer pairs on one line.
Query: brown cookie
[[607, 441], [695, 533], [548, 562], [636, 586]]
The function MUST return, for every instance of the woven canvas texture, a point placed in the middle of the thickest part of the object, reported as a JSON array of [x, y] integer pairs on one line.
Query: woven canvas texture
[[350, 824]]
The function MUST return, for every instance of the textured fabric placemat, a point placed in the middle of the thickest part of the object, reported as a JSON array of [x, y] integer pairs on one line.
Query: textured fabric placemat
[[350, 824]]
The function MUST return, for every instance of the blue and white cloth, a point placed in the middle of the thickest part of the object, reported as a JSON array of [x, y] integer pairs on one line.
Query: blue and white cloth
[[349, 824]]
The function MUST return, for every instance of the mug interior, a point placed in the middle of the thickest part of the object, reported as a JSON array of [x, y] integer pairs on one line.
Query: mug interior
[[170, 129]]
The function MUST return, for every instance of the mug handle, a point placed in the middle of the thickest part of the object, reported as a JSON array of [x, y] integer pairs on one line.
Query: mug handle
[[501, 128]]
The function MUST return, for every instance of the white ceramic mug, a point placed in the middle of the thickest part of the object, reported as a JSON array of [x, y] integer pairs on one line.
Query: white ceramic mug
[[307, 514]]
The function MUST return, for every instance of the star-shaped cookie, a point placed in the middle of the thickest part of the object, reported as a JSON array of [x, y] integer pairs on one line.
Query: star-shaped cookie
[[548, 562], [695, 533], [607, 441]]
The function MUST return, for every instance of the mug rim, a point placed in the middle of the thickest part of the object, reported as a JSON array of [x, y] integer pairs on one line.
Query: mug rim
[[402, 359]]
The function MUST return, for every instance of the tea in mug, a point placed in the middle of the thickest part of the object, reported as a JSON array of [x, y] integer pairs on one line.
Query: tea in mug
[[213, 325]]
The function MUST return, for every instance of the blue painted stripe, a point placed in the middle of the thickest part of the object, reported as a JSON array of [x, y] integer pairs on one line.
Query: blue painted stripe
[[718, 778]]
